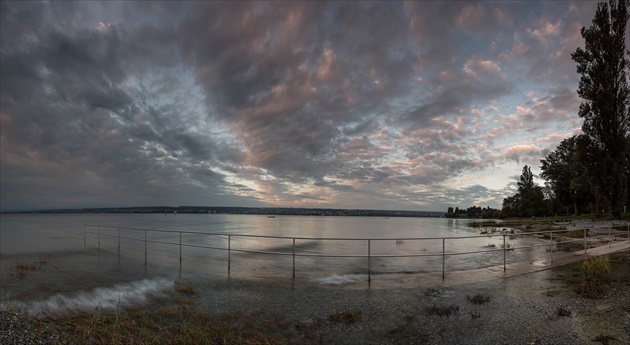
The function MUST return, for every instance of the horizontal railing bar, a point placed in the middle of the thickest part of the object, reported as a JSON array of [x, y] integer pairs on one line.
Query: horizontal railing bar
[[313, 254], [499, 234], [338, 255], [273, 252], [519, 235], [477, 252], [547, 241], [296, 254]]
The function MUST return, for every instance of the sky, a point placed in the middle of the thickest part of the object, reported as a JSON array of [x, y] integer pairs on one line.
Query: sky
[[365, 105]]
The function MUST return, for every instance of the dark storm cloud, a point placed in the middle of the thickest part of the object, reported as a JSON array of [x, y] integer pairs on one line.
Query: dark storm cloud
[[286, 83], [253, 102], [81, 115]]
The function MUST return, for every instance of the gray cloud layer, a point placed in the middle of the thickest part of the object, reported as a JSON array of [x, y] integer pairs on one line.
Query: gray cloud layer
[[366, 104]]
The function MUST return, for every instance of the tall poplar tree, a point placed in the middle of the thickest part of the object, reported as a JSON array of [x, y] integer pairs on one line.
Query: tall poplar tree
[[603, 65]]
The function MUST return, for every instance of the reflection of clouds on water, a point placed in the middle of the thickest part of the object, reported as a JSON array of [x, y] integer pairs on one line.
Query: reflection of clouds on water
[[396, 245]]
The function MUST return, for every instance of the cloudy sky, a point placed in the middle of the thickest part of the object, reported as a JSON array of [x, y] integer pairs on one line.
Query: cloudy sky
[[382, 105]]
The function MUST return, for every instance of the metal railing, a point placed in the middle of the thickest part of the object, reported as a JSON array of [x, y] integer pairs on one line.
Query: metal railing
[[505, 248]]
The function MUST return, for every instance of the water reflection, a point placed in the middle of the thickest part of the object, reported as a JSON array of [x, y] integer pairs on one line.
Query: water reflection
[[217, 245]]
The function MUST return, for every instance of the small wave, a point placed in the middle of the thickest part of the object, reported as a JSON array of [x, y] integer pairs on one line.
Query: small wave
[[104, 298], [336, 279]]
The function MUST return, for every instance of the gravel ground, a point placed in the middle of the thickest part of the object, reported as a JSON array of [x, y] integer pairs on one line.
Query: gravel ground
[[520, 310], [16, 329]]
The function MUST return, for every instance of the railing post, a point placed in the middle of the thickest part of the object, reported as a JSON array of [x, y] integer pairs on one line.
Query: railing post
[[119, 241], [585, 243], [84, 246], [504, 250], [229, 253], [609, 238], [145, 247], [294, 258], [443, 255], [369, 271], [99, 238], [551, 261], [180, 250]]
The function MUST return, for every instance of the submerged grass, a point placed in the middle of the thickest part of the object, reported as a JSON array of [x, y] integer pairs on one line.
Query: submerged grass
[[21, 268]]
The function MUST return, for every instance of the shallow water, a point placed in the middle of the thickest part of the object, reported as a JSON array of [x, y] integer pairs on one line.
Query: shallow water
[[324, 247]]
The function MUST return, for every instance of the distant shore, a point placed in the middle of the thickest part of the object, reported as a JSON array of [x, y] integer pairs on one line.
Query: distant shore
[[278, 211]]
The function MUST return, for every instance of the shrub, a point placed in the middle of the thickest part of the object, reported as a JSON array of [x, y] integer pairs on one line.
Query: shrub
[[595, 276], [597, 269]]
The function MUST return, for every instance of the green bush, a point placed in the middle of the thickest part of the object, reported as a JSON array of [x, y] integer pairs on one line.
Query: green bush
[[595, 275]]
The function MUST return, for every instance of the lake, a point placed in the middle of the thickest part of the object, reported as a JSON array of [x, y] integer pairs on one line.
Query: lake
[[316, 237]]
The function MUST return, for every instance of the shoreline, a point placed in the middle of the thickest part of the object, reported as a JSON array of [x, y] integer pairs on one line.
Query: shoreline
[[519, 308]]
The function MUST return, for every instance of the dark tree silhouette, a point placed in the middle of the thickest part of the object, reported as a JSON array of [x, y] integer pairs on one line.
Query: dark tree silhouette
[[526, 182], [603, 64], [566, 176]]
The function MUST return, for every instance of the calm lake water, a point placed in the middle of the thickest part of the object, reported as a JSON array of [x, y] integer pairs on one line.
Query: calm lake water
[[205, 253]]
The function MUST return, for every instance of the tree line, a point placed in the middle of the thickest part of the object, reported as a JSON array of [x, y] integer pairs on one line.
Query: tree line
[[589, 172], [473, 212]]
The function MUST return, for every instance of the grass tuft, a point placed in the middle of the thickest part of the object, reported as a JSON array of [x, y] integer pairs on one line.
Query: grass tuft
[[604, 339], [433, 292], [347, 316], [443, 310], [562, 311], [25, 266], [478, 299], [187, 288], [595, 275]]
